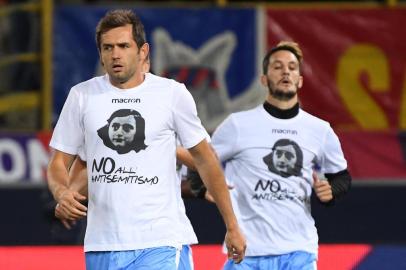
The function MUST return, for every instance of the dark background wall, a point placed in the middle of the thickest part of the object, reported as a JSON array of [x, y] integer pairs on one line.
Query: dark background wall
[[368, 214]]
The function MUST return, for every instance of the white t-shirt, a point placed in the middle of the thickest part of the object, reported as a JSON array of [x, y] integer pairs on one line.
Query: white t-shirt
[[130, 145], [269, 161]]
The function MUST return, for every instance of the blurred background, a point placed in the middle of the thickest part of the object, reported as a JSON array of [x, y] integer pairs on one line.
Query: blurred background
[[354, 77]]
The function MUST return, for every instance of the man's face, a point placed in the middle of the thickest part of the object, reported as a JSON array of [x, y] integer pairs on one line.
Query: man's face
[[284, 158], [120, 56], [122, 130], [283, 78]]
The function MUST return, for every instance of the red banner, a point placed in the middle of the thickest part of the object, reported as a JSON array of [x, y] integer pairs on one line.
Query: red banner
[[354, 77], [205, 257]]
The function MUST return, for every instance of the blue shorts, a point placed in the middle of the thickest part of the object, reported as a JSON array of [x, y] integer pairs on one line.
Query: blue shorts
[[298, 260], [159, 258], [186, 259]]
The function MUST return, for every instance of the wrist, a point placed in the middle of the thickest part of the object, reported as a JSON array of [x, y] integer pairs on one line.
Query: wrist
[[232, 226], [59, 193]]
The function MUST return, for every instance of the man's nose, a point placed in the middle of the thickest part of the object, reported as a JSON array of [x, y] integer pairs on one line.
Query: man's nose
[[285, 70], [115, 54]]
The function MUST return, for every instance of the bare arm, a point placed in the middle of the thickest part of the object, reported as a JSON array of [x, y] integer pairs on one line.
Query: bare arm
[[58, 176], [212, 175], [184, 156], [78, 176], [58, 182]]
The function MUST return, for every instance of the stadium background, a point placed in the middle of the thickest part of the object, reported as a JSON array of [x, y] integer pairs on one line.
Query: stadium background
[[355, 77]]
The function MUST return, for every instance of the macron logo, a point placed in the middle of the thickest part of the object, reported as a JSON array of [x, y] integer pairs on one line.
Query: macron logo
[[125, 100]]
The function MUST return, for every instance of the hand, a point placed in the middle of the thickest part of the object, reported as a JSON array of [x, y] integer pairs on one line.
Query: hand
[[60, 215], [322, 189], [236, 245], [69, 207]]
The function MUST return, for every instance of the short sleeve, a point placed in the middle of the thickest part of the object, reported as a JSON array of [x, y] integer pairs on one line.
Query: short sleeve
[[82, 153], [332, 160], [68, 134], [187, 124], [224, 139]]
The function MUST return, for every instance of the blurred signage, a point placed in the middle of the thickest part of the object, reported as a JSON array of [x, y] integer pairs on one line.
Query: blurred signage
[[24, 158]]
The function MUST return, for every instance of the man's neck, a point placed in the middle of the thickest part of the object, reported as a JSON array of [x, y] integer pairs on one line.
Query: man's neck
[[282, 104], [131, 83], [280, 113]]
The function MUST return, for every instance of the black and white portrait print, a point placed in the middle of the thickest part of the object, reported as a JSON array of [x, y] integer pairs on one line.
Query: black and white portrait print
[[124, 131], [286, 158]]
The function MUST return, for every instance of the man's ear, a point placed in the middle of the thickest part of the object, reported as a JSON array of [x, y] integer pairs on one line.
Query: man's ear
[[264, 80], [144, 52], [300, 83], [101, 60]]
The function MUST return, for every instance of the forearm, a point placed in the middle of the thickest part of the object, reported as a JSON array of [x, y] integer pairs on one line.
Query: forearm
[[217, 187], [185, 157], [340, 183], [79, 185], [213, 178], [78, 177], [57, 181], [57, 174]]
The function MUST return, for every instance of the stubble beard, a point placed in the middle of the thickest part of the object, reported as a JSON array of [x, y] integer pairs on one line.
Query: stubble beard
[[120, 77], [124, 76], [280, 94]]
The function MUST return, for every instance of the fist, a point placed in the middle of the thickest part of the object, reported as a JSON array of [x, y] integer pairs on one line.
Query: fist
[[322, 188]]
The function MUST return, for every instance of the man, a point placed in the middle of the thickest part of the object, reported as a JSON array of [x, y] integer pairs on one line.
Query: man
[[133, 216], [270, 153]]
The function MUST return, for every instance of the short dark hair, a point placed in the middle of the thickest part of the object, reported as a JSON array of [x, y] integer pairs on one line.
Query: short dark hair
[[117, 18], [293, 47]]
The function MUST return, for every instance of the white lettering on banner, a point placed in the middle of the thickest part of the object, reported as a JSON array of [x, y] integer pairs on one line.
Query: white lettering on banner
[[27, 161], [14, 151], [38, 158]]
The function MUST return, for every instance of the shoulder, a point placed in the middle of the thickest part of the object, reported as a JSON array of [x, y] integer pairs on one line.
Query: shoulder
[[88, 85], [314, 120], [241, 119], [246, 115], [162, 81], [169, 88]]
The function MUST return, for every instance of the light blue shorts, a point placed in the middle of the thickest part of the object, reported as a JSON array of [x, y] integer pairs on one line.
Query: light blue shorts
[[159, 258], [298, 260], [186, 258]]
